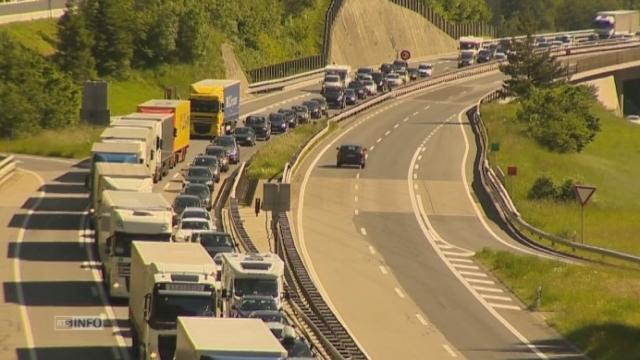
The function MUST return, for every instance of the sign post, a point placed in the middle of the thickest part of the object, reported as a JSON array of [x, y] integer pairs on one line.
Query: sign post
[[583, 194]]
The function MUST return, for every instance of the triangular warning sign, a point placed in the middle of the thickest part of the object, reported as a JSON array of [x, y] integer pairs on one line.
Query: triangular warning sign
[[584, 193]]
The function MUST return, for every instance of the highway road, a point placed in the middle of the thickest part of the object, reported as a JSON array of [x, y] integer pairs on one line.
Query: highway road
[[50, 270], [391, 244], [28, 6]]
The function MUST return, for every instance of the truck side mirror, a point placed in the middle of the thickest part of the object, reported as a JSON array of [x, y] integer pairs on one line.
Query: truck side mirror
[[153, 153], [175, 132], [147, 307], [141, 161], [158, 142], [224, 293], [107, 249]]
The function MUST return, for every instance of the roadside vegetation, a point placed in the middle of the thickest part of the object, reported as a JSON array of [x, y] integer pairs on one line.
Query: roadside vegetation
[[597, 308], [269, 161], [74, 142]]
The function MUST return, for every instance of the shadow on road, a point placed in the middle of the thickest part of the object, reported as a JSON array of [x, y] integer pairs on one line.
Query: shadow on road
[[48, 251], [62, 204], [54, 293], [66, 353], [62, 221], [64, 189], [75, 177]]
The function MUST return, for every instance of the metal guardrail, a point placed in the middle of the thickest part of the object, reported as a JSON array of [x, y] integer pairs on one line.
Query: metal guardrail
[[7, 167], [500, 198]]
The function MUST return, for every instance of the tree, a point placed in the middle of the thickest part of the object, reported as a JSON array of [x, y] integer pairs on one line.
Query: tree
[[193, 32], [112, 29], [74, 44], [561, 118], [528, 67]]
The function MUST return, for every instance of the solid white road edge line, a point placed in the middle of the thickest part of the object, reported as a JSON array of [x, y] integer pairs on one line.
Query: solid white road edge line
[[17, 276], [383, 270], [422, 320], [479, 214], [399, 292], [430, 238], [449, 350]]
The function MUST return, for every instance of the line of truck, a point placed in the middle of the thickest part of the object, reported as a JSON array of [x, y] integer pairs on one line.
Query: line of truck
[[178, 292]]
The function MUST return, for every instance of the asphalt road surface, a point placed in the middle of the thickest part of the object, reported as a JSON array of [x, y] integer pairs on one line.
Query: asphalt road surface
[[391, 244]]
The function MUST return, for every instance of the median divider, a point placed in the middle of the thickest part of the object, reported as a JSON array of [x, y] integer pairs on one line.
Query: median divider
[[7, 167]]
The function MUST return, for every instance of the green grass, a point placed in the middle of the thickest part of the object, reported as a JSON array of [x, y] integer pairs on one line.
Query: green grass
[[69, 143], [596, 308], [269, 161], [609, 163], [39, 35]]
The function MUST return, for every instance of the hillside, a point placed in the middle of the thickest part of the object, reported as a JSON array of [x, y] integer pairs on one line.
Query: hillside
[[357, 42]]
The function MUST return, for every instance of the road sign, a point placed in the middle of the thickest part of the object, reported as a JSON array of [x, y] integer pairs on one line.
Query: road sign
[[584, 193], [405, 55], [512, 170], [495, 147]]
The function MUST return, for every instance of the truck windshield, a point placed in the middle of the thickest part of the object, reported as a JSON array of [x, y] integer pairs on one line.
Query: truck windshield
[[122, 241], [264, 287], [603, 24], [205, 106], [166, 308], [467, 56], [468, 46], [115, 158]]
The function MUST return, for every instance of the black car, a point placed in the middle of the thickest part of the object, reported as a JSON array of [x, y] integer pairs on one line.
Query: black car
[[400, 64], [278, 123], [182, 202], [335, 97], [484, 55], [315, 110], [245, 136], [381, 83], [260, 124], [290, 116], [386, 68], [215, 242], [202, 191], [351, 98], [199, 175], [360, 88], [302, 112], [222, 155], [209, 161], [229, 142], [324, 107], [413, 73], [351, 155]]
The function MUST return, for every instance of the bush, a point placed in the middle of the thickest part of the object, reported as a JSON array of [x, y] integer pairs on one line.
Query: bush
[[561, 118], [566, 191], [543, 188]]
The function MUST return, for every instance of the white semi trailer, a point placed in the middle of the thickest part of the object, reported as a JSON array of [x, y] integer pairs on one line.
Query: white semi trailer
[[226, 339], [168, 280], [125, 216], [608, 24]]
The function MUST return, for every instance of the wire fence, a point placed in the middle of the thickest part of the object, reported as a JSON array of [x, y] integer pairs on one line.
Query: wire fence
[[455, 30]]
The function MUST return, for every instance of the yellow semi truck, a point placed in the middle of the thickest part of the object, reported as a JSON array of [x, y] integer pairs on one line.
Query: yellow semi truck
[[215, 105]]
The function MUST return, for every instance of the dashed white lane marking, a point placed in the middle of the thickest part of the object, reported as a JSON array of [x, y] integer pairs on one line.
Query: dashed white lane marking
[[94, 291], [372, 250], [357, 175], [383, 270], [379, 139], [415, 176], [405, 119], [356, 212], [419, 157], [356, 198], [467, 261], [449, 350], [503, 306], [175, 176], [386, 133], [472, 273], [470, 267], [453, 253], [427, 107], [396, 126], [372, 147], [417, 166], [363, 231], [356, 186], [166, 186], [399, 292], [415, 113], [478, 281], [415, 186], [493, 290], [422, 320], [496, 297]]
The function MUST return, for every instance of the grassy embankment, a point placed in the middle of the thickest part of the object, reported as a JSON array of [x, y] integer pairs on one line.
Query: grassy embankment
[[595, 307]]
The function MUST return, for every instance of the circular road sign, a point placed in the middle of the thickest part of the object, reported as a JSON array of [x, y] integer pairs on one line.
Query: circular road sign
[[405, 55]]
